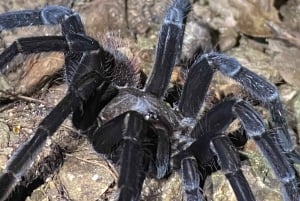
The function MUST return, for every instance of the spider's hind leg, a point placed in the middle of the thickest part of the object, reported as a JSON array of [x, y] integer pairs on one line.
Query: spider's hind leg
[[168, 47]]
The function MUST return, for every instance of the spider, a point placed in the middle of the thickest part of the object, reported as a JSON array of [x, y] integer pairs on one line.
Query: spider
[[136, 128]]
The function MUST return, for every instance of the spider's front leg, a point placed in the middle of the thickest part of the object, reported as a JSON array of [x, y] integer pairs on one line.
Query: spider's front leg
[[85, 81], [168, 47], [73, 42], [127, 131], [135, 144], [51, 15]]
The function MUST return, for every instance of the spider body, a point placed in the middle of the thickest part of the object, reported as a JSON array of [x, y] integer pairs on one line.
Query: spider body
[[154, 110], [132, 99], [136, 128]]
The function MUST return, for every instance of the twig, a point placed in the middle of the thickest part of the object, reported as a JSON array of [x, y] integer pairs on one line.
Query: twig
[[110, 169], [22, 97], [281, 33], [30, 99]]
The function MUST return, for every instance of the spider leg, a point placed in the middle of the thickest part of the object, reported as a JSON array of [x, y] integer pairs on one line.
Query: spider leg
[[132, 174], [195, 88], [87, 79], [132, 138], [253, 124], [230, 164], [72, 25], [262, 90], [199, 154], [216, 121], [51, 15], [191, 179], [71, 42], [168, 47], [255, 130], [126, 132], [163, 152], [209, 129], [85, 117]]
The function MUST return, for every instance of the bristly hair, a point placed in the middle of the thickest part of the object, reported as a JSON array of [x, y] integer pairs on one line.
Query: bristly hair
[[123, 68]]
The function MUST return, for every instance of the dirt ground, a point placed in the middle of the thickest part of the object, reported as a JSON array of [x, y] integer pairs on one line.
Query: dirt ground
[[262, 35]]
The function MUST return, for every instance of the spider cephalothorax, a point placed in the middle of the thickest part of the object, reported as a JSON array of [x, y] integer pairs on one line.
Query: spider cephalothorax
[[135, 127]]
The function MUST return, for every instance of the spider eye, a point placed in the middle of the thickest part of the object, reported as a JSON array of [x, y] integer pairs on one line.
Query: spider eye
[[151, 116]]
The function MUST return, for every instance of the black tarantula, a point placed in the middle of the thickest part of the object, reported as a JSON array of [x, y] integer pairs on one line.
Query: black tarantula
[[138, 129]]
